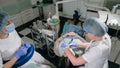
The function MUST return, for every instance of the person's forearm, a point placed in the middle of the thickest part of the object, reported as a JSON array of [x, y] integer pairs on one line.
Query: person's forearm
[[74, 60], [64, 35], [83, 45], [10, 63], [70, 55]]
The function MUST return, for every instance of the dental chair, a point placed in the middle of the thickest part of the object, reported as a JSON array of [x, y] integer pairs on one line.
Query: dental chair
[[24, 59]]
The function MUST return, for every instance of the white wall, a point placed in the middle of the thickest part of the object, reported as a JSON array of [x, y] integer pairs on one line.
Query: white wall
[[10, 6], [47, 9], [68, 8], [96, 2], [20, 11]]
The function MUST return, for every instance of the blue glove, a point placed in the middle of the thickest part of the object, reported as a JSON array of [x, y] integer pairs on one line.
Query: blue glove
[[63, 45], [26, 44], [23, 50], [73, 45]]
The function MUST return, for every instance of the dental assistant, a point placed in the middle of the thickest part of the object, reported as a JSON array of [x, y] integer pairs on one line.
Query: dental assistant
[[97, 51], [12, 47]]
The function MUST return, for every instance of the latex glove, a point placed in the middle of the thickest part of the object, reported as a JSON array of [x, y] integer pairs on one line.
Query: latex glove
[[63, 45], [21, 52], [26, 44], [73, 45]]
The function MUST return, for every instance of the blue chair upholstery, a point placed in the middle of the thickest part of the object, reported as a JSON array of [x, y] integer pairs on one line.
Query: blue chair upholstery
[[65, 25], [25, 58]]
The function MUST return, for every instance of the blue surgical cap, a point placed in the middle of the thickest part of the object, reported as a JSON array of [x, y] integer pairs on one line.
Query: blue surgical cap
[[95, 26], [4, 17]]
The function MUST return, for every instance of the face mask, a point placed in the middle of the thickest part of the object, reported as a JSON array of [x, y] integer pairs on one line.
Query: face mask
[[10, 28]]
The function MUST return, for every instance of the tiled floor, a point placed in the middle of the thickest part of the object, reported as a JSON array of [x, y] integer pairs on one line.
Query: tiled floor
[[24, 32]]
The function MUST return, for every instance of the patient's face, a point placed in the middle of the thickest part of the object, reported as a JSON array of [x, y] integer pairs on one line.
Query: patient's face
[[71, 22], [79, 24]]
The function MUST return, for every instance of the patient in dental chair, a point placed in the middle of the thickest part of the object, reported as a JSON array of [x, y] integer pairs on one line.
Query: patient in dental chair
[[12, 47], [72, 26]]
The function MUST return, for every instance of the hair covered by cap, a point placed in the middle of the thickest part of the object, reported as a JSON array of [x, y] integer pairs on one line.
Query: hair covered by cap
[[4, 17], [95, 26]]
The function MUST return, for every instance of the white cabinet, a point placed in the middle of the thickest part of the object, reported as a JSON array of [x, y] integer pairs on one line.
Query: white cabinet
[[17, 19], [35, 12], [27, 15], [24, 16], [96, 2]]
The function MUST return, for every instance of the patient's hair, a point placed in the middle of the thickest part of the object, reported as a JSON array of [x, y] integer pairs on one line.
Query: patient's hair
[[71, 21], [77, 22]]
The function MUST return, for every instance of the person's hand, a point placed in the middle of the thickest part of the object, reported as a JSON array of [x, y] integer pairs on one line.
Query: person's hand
[[23, 50], [83, 45], [25, 44], [63, 45], [71, 33], [73, 45], [68, 52]]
